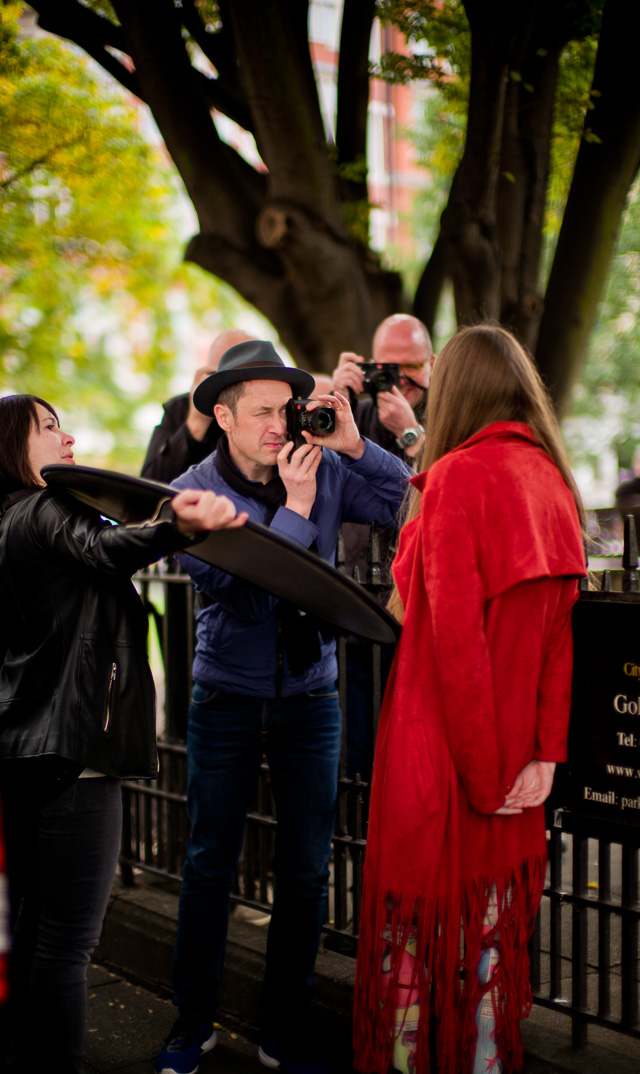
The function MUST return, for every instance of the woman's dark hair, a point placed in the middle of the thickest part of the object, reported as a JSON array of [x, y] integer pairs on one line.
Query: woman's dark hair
[[18, 417]]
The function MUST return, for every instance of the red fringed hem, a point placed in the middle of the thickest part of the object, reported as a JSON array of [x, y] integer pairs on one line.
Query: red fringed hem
[[439, 973]]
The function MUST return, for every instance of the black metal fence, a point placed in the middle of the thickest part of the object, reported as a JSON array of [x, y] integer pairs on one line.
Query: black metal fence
[[585, 948]]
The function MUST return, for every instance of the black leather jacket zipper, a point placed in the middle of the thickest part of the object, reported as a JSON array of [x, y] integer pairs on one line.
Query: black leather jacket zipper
[[109, 710]]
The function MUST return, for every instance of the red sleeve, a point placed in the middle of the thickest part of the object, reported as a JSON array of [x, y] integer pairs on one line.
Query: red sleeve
[[554, 696], [456, 597]]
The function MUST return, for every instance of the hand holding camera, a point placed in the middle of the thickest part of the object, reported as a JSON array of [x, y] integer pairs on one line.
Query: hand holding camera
[[379, 377], [354, 375], [318, 421], [382, 382], [311, 424], [345, 436]]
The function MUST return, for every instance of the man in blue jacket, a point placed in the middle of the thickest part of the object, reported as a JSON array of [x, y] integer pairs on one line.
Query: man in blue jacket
[[264, 682]]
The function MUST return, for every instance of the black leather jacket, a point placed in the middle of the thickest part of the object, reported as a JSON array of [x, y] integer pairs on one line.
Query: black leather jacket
[[75, 681]]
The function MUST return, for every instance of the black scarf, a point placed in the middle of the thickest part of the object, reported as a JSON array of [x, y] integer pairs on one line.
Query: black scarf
[[274, 494], [300, 632]]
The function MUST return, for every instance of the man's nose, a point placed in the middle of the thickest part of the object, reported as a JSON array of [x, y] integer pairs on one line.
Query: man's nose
[[278, 425]]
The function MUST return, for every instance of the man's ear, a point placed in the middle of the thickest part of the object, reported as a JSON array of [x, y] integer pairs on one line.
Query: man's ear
[[223, 416], [432, 359]]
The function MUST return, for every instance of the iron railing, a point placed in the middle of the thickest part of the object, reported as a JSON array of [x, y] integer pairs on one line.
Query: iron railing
[[584, 953]]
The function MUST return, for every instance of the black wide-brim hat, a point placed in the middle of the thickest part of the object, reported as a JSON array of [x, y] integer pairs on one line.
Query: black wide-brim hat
[[257, 359]]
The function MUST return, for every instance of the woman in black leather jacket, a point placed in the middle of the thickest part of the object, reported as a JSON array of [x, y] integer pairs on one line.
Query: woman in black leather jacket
[[77, 714]]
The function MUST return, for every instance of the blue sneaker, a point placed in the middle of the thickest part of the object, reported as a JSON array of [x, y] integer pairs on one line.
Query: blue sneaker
[[183, 1047], [270, 1055]]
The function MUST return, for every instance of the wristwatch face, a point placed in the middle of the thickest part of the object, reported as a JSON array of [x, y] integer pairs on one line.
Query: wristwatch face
[[409, 437]]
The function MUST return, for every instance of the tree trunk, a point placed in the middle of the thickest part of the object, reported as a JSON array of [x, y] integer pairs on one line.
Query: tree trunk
[[431, 285], [608, 159], [277, 236], [469, 222], [522, 190]]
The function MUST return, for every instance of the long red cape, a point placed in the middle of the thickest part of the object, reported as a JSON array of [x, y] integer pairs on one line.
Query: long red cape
[[480, 685]]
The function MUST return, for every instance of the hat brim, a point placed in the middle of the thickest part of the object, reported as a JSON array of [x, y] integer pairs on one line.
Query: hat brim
[[206, 394]]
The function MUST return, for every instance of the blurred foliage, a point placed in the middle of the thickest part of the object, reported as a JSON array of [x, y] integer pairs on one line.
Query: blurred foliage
[[91, 277], [607, 399], [573, 101], [439, 40]]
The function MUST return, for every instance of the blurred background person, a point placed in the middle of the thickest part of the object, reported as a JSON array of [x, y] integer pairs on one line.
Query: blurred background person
[[185, 437], [627, 495], [393, 419]]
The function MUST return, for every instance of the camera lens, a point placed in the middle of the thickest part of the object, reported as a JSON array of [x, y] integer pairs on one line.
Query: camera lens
[[383, 381], [323, 420]]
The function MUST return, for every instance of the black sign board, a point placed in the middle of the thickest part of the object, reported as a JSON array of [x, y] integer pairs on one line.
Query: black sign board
[[604, 735]]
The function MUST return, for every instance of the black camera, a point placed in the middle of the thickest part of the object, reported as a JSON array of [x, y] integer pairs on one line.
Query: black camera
[[379, 376], [318, 422]]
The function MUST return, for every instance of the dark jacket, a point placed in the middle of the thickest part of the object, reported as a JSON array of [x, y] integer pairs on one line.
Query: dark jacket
[[237, 632], [355, 536], [75, 681], [172, 449]]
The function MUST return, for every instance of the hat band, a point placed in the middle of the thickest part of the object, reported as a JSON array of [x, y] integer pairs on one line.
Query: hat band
[[254, 365]]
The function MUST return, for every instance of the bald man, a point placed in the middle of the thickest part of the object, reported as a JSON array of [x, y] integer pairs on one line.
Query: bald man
[[185, 437], [394, 419]]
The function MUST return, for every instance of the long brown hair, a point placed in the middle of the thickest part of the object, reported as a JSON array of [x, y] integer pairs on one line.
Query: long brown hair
[[483, 375], [18, 417]]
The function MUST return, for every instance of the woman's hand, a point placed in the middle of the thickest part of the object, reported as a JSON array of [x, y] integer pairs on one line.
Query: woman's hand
[[196, 510], [531, 787]]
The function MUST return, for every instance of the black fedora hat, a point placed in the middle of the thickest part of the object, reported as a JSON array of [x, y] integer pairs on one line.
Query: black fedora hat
[[257, 359]]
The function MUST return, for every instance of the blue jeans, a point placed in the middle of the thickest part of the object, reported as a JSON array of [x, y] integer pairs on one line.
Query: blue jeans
[[61, 860], [228, 734]]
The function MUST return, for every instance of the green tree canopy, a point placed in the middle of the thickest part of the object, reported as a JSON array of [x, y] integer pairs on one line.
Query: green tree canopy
[[90, 259]]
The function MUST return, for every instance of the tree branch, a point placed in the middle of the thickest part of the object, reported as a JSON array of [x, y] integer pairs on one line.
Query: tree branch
[[91, 32], [43, 159], [225, 102], [353, 92], [225, 190], [218, 47], [225, 91], [71, 17], [431, 285], [353, 79], [280, 88]]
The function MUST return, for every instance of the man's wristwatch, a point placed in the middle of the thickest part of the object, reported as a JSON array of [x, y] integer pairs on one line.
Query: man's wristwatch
[[410, 436]]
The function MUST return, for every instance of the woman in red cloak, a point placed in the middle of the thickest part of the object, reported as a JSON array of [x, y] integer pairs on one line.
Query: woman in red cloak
[[474, 720]]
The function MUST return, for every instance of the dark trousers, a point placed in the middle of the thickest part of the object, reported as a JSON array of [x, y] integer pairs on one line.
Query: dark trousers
[[61, 861], [228, 734]]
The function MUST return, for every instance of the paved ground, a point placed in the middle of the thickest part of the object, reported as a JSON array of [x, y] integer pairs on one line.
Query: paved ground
[[128, 1021], [127, 1024]]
